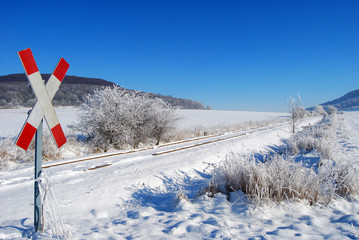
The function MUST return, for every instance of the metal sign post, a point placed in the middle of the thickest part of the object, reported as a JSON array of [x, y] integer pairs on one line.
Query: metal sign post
[[33, 125], [38, 165]]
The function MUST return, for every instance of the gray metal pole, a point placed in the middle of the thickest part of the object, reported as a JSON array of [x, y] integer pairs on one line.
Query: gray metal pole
[[38, 164]]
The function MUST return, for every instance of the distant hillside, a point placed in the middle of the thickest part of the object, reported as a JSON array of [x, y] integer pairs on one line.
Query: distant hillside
[[21, 78], [15, 92], [349, 101]]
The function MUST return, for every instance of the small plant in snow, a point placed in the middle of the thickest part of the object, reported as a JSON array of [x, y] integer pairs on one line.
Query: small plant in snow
[[50, 213], [297, 113], [180, 196]]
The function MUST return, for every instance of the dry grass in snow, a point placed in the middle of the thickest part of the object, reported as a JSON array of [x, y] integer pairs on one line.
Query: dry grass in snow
[[282, 177]]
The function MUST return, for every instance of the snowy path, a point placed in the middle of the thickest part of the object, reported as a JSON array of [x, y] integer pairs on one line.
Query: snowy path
[[133, 197]]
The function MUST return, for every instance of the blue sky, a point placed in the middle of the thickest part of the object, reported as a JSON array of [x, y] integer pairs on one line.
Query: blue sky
[[232, 55]]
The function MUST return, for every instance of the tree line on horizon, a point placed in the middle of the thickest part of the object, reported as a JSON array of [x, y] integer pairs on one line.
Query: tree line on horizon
[[16, 93]]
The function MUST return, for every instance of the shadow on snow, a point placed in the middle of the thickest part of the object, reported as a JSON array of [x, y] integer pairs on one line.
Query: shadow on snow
[[17, 228], [164, 198]]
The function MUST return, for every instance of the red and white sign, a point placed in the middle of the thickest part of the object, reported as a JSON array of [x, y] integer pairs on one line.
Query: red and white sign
[[44, 95]]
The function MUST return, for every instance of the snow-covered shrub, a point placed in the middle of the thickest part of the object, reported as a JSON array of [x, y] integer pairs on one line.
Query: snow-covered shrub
[[150, 119], [319, 109], [113, 117], [319, 137], [4, 155], [331, 109], [287, 176], [281, 178], [10, 154], [49, 148], [276, 179], [339, 177], [101, 118], [345, 175], [164, 119]]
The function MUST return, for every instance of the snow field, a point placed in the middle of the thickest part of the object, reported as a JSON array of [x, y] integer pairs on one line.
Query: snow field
[[13, 119], [141, 196]]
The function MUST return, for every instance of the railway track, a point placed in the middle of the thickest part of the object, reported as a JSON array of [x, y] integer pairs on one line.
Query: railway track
[[145, 159], [168, 147]]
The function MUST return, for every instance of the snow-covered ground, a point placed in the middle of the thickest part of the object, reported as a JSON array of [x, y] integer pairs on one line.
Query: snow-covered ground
[[212, 118], [12, 120], [144, 196]]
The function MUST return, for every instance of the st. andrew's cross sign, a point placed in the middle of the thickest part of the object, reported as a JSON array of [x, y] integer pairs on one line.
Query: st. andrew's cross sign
[[44, 95], [42, 108]]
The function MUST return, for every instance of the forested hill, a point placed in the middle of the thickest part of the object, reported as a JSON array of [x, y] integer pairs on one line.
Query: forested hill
[[15, 92], [21, 78]]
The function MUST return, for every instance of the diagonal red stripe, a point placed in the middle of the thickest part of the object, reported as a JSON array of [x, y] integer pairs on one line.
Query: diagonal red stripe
[[28, 61], [61, 69], [26, 136], [58, 135]]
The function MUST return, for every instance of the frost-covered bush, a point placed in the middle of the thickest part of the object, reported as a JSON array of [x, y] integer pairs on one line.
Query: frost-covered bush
[[340, 177], [113, 117], [346, 177], [49, 148], [319, 137], [282, 177], [12, 155], [331, 109], [164, 120], [319, 109], [276, 179]]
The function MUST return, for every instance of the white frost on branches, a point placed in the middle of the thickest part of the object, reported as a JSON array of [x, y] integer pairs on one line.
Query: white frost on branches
[[297, 113], [113, 117]]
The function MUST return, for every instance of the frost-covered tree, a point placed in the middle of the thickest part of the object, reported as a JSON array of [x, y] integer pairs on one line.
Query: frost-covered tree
[[113, 117], [164, 119], [297, 113], [100, 118], [141, 122]]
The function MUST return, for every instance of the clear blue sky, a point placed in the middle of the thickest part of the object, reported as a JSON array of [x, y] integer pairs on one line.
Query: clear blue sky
[[231, 55]]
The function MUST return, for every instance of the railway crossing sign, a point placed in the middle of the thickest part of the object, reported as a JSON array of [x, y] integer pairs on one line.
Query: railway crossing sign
[[44, 95], [33, 124]]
